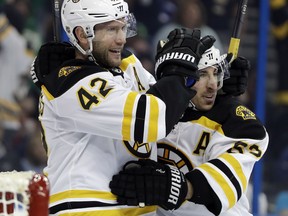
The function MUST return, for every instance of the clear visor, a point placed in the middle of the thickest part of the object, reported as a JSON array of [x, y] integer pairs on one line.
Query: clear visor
[[222, 71], [128, 27], [131, 25], [223, 67]]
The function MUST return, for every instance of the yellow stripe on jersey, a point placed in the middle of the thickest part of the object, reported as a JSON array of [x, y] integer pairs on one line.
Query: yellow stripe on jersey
[[128, 110], [237, 167], [81, 194], [47, 93], [206, 122], [125, 62], [153, 121], [231, 196], [132, 211]]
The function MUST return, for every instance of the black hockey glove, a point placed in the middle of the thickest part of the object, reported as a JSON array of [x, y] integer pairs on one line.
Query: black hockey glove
[[181, 52], [50, 56], [146, 182], [238, 81]]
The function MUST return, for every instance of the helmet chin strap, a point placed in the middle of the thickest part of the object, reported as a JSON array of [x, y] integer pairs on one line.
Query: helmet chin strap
[[89, 35], [87, 52], [192, 105]]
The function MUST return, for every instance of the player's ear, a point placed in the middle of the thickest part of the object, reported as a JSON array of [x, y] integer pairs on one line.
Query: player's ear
[[81, 36]]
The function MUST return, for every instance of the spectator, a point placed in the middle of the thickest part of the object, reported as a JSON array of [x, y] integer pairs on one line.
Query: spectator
[[190, 14], [17, 12], [13, 63]]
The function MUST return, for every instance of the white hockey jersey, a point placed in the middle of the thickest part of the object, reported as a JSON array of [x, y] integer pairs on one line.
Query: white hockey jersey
[[90, 121], [220, 148]]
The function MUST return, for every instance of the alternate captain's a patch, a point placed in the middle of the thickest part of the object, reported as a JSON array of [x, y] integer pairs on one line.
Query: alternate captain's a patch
[[65, 71], [245, 113]]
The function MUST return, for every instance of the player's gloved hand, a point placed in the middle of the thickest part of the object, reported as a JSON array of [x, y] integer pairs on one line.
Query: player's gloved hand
[[146, 182], [238, 81], [50, 56], [181, 53]]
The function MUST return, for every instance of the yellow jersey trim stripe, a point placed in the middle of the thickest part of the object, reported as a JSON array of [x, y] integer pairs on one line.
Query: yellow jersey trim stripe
[[47, 93], [153, 121], [237, 167], [125, 62], [81, 194], [206, 122], [221, 182], [127, 118], [135, 211]]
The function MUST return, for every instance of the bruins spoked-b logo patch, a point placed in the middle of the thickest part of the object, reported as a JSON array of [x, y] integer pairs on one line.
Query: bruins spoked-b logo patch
[[245, 113]]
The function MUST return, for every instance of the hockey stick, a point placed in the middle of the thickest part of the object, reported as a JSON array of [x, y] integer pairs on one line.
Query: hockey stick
[[239, 21], [56, 20]]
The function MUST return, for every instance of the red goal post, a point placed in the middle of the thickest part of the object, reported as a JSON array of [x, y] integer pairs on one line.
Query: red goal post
[[23, 194]]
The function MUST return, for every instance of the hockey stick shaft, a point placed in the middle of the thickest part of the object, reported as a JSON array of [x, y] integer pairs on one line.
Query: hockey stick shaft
[[239, 21], [56, 20]]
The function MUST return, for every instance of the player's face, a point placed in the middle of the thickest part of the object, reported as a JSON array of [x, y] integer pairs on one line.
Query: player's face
[[206, 89], [108, 42]]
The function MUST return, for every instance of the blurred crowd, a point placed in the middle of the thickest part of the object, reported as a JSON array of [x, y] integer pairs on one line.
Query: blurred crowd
[[26, 24]]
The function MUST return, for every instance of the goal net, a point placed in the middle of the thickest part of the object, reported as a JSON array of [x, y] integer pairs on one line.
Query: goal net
[[23, 194]]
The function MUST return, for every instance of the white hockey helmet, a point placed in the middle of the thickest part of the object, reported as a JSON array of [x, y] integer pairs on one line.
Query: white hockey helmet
[[88, 13], [212, 58]]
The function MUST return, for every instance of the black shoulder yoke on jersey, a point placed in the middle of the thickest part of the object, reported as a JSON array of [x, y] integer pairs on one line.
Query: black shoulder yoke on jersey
[[69, 73], [236, 120]]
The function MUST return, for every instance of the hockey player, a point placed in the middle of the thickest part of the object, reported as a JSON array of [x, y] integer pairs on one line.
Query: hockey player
[[205, 163], [99, 111]]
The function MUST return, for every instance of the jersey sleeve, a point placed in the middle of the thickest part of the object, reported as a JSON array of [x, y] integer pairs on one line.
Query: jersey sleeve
[[221, 180]]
